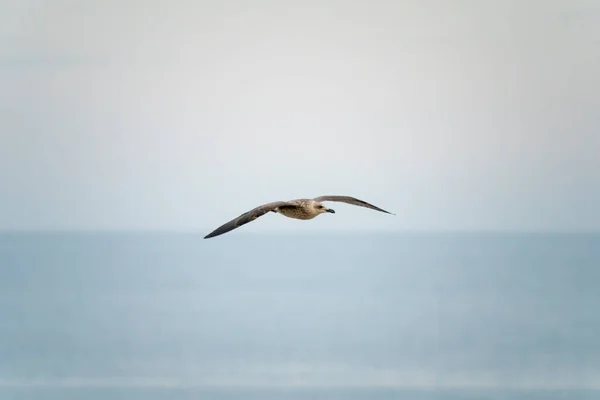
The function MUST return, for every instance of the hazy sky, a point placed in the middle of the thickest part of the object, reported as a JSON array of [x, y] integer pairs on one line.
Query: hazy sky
[[183, 114]]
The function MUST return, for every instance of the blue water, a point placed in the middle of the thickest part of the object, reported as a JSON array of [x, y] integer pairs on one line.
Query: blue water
[[296, 394], [326, 316]]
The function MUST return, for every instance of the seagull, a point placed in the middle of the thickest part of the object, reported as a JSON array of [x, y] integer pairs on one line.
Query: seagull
[[297, 209]]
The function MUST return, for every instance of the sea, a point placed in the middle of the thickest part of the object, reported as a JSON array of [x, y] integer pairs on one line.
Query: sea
[[343, 315]]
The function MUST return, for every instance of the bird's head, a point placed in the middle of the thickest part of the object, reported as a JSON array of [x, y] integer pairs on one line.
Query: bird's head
[[320, 208]]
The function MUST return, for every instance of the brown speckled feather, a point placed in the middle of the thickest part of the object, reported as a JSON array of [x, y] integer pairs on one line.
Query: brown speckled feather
[[247, 217], [350, 200]]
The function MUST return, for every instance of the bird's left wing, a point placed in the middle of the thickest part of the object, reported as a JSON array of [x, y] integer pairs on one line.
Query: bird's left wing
[[350, 200], [246, 217]]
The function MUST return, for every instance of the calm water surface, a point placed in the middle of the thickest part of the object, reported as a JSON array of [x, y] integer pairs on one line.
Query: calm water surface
[[161, 316]]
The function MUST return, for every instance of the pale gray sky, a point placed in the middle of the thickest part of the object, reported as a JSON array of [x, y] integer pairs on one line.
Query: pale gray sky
[[183, 114]]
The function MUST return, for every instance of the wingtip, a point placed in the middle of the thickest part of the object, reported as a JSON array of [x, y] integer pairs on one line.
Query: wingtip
[[212, 235]]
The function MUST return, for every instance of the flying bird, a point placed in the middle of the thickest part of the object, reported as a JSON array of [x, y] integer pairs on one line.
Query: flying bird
[[297, 209]]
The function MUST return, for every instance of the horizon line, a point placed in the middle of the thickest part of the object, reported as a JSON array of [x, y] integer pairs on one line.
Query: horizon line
[[303, 232], [177, 383]]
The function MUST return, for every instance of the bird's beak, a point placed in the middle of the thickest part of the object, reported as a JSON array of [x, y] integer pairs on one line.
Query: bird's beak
[[331, 210]]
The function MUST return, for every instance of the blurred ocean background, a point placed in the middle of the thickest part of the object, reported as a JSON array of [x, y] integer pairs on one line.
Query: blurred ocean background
[[443, 316], [163, 116]]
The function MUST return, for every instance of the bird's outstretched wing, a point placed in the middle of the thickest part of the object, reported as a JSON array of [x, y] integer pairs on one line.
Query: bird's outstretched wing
[[350, 200], [245, 218]]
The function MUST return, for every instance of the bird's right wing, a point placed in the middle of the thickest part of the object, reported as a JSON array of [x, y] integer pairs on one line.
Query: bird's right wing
[[245, 218], [351, 200]]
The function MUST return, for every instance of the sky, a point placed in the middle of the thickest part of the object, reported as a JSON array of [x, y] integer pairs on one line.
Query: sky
[[162, 115]]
